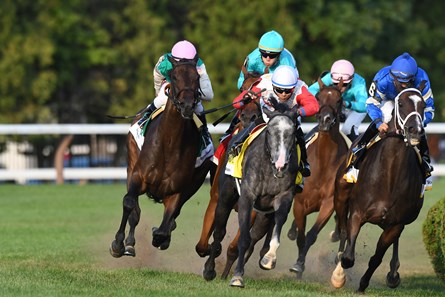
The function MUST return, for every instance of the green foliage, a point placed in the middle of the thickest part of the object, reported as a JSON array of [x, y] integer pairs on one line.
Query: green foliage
[[434, 237], [76, 61]]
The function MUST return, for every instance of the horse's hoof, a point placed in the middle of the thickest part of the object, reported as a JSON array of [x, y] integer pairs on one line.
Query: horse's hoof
[[130, 251], [115, 251], [333, 236], [268, 263], [392, 281], [338, 277], [209, 275], [292, 234], [160, 240], [297, 268], [237, 281]]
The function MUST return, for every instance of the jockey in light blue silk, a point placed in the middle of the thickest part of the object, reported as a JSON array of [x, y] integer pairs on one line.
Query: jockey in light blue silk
[[353, 92]]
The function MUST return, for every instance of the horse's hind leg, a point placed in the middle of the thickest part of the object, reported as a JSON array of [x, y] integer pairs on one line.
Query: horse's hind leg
[[202, 247], [323, 217], [388, 237], [133, 221]]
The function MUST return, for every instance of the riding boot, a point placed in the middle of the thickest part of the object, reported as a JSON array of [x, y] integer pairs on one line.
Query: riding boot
[[426, 162], [363, 141], [359, 150], [207, 138], [238, 139], [305, 168], [151, 108]]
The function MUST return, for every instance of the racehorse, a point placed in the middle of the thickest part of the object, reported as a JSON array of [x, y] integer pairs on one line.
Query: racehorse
[[164, 169], [247, 115], [388, 192], [327, 151], [270, 167]]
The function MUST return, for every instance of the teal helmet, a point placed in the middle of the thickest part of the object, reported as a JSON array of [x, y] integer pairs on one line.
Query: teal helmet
[[271, 42]]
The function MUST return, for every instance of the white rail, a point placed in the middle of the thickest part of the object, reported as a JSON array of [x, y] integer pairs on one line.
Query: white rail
[[113, 129]]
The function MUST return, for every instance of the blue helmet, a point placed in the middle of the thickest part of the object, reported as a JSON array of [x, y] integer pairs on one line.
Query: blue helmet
[[271, 42], [404, 68]]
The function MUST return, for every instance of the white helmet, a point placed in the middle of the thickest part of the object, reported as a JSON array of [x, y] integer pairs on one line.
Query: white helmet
[[285, 77]]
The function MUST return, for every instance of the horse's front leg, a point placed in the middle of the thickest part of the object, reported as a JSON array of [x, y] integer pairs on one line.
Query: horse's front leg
[[133, 221], [245, 205], [162, 235], [270, 258], [388, 237], [117, 248]]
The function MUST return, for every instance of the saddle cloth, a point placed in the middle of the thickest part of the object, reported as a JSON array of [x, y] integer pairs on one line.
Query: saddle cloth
[[234, 164], [138, 133]]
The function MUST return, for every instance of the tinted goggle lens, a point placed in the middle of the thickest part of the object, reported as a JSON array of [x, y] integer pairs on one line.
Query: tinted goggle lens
[[270, 55], [281, 90]]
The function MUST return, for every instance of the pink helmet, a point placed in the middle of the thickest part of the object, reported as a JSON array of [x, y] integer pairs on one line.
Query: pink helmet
[[183, 50], [342, 69]]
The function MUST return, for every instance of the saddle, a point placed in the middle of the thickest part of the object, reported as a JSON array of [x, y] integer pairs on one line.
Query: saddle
[[138, 133]]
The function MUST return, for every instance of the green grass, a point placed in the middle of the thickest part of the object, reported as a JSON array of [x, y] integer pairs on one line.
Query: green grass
[[54, 242]]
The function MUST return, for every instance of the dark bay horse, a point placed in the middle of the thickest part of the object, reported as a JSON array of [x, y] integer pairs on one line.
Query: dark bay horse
[[388, 192], [270, 167], [325, 154], [164, 169], [249, 113]]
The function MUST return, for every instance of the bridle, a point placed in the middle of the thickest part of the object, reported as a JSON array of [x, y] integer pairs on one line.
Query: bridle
[[401, 122], [173, 94], [335, 110]]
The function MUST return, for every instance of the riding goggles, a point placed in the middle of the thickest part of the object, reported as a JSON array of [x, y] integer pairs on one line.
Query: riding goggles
[[271, 55], [278, 90]]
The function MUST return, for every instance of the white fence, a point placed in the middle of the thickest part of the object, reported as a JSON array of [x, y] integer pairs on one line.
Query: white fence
[[116, 129]]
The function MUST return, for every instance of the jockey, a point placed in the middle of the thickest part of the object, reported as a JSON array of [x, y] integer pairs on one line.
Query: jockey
[[269, 54], [381, 103], [286, 86], [266, 58], [161, 74], [353, 92]]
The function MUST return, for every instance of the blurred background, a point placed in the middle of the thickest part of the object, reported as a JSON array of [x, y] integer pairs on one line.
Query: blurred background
[[75, 61]]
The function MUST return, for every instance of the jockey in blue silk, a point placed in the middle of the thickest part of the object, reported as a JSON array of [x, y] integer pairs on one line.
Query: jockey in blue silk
[[354, 94], [161, 73], [381, 103], [270, 54]]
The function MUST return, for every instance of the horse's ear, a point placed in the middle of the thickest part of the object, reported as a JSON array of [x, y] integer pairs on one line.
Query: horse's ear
[[268, 112], [398, 85], [266, 70], [244, 69], [196, 58], [172, 60], [422, 86], [273, 101], [340, 84], [320, 83]]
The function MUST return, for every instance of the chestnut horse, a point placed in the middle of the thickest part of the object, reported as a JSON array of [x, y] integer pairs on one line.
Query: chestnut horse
[[164, 169], [388, 192], [247, 115], [325, 154], [270, 167]]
